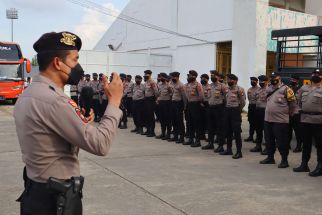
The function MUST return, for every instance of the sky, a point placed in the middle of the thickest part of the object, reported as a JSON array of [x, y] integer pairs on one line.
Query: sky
[[37, 17]]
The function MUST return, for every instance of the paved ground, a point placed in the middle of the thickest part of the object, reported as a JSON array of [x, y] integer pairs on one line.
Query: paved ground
[[147, 176]]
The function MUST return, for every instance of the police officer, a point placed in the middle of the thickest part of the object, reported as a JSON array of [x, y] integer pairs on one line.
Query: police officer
[[216, 99], [194, 95], [138, 105], [235, 102], [53, 129], [151, 93], [251, 107], [310, 97], [280, 106], [96, 104], [129, 95], [179, 100], [164, 103], [259, 115], [123, 122], [204, 105], [296, 118]]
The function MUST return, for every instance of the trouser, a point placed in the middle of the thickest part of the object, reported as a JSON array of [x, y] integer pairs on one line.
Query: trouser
[[38, 200], [259, 124], [129, 103], [277, 136], [75, 99], [177, 118], [251, 119], [124, 115], [96, 108], [138, 113], [194, 116], [232, 121], [215, 123], [295, 124], [103, 107], [165, 115], [204, 120], [149, 113], [311, 131]]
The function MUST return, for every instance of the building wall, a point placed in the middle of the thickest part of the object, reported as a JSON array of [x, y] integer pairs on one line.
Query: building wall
[[314, 7]]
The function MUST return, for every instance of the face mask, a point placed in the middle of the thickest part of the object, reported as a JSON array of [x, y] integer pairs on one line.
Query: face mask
[[75, 74], [174, 80], [95, 78], [262, 85], [214, 80], [191, 79], [253, 83], [230, 83], [274, 82], [221, 80], [138, 82], [146, 78], [315, 79], [203, 82]]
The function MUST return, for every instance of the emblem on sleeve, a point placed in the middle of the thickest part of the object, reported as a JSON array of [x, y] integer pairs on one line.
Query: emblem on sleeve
[[78, 111]]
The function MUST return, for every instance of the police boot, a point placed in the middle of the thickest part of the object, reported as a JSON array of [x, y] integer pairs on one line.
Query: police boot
[[226, 152], [219, 149], [210, 145], [124, 126], [317, 172], [196, 143], [302, 168], [140, 131], [257, 148], [174, 139], [180, 140], [189, 142], [151, 133], [268, 160], [264, 152], [248, 139], [134, 130], [238, 155], [283, 164], [162, 135], [167, 136], [147, 131]]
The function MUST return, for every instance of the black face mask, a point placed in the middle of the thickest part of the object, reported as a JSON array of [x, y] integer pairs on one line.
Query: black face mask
[[203, 82], [253, 83], [174, 80], [146, 78], [274, 82], [230, 83], [315, 79], [191, 79], [214, 80], [262, 85], [138, 82], [75, 74]]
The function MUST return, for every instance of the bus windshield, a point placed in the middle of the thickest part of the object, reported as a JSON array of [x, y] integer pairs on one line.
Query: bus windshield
[[11, 72], [9, 52]]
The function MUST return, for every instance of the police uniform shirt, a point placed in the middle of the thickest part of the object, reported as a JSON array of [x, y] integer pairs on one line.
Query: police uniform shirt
[[165, 91], [129, 92], [178, 91], [280, 105], [73, 90], [217, 93], [206, 91], [95, 86], [310, 100], [150, 89], [102, 94], [251, 95], [138, 92], [235, 97], [51, 129], [261, 97], [81, 84], [194, 92], [125, 88]]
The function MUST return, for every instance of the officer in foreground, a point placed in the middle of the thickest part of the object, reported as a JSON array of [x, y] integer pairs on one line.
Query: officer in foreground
[[51, 129]]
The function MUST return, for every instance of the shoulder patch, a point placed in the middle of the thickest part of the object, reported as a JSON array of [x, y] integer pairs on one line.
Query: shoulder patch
[[78, 111], [290, 94]]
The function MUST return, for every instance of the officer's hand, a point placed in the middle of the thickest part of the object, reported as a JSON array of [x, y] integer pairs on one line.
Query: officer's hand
[[113, 90], [91, 116]]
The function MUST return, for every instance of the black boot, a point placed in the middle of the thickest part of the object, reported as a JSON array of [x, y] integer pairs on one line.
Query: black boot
[[317, 172], [302, 168], [167, 136], [283, 164], [268, 160], [209, 146], [140, 131], [196, 144], [190, 142], [151, 133], [257, 148], [180, 140], [248, 139], [134, 130], [226, 152], [264, 152], [238, 155], [124, 126], [160, 136], [174, 139], [219, 149]]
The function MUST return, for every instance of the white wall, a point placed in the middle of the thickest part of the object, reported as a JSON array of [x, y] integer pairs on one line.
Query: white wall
[[94, 61]]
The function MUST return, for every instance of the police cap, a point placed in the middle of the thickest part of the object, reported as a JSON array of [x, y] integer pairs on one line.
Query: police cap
[[122, 75], [163, 75], [253, 79], [262, 78], [148, 72], [193, 73], [175, 74], [316, 72], [205, 76], [232, 77], [138, 77]]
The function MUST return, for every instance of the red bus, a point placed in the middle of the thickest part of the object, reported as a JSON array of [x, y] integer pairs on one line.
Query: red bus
[[12, 69]]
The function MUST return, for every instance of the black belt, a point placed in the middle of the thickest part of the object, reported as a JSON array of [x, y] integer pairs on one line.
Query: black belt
[[311, 113]]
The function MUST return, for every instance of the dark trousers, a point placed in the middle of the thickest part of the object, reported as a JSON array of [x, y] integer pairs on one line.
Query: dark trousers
[[129, 103], [165, 116], [96, 108], [177, 118], [124, 116], [75, 98], [295, 124], [215, 123], [138, 112], [232, 122], [251, 119], [37, 200], [194, 117], [149, 113], [259, 124], [103, 107], [311, 131], [277, 136], [204, 118]]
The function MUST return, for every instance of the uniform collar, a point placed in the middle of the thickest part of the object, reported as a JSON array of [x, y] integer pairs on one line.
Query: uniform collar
[[43, 79]]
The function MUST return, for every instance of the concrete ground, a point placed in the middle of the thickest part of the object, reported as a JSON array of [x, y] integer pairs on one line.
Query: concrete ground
[[147, 176]]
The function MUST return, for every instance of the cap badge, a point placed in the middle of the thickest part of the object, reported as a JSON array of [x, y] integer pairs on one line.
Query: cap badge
[[68, 39]]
